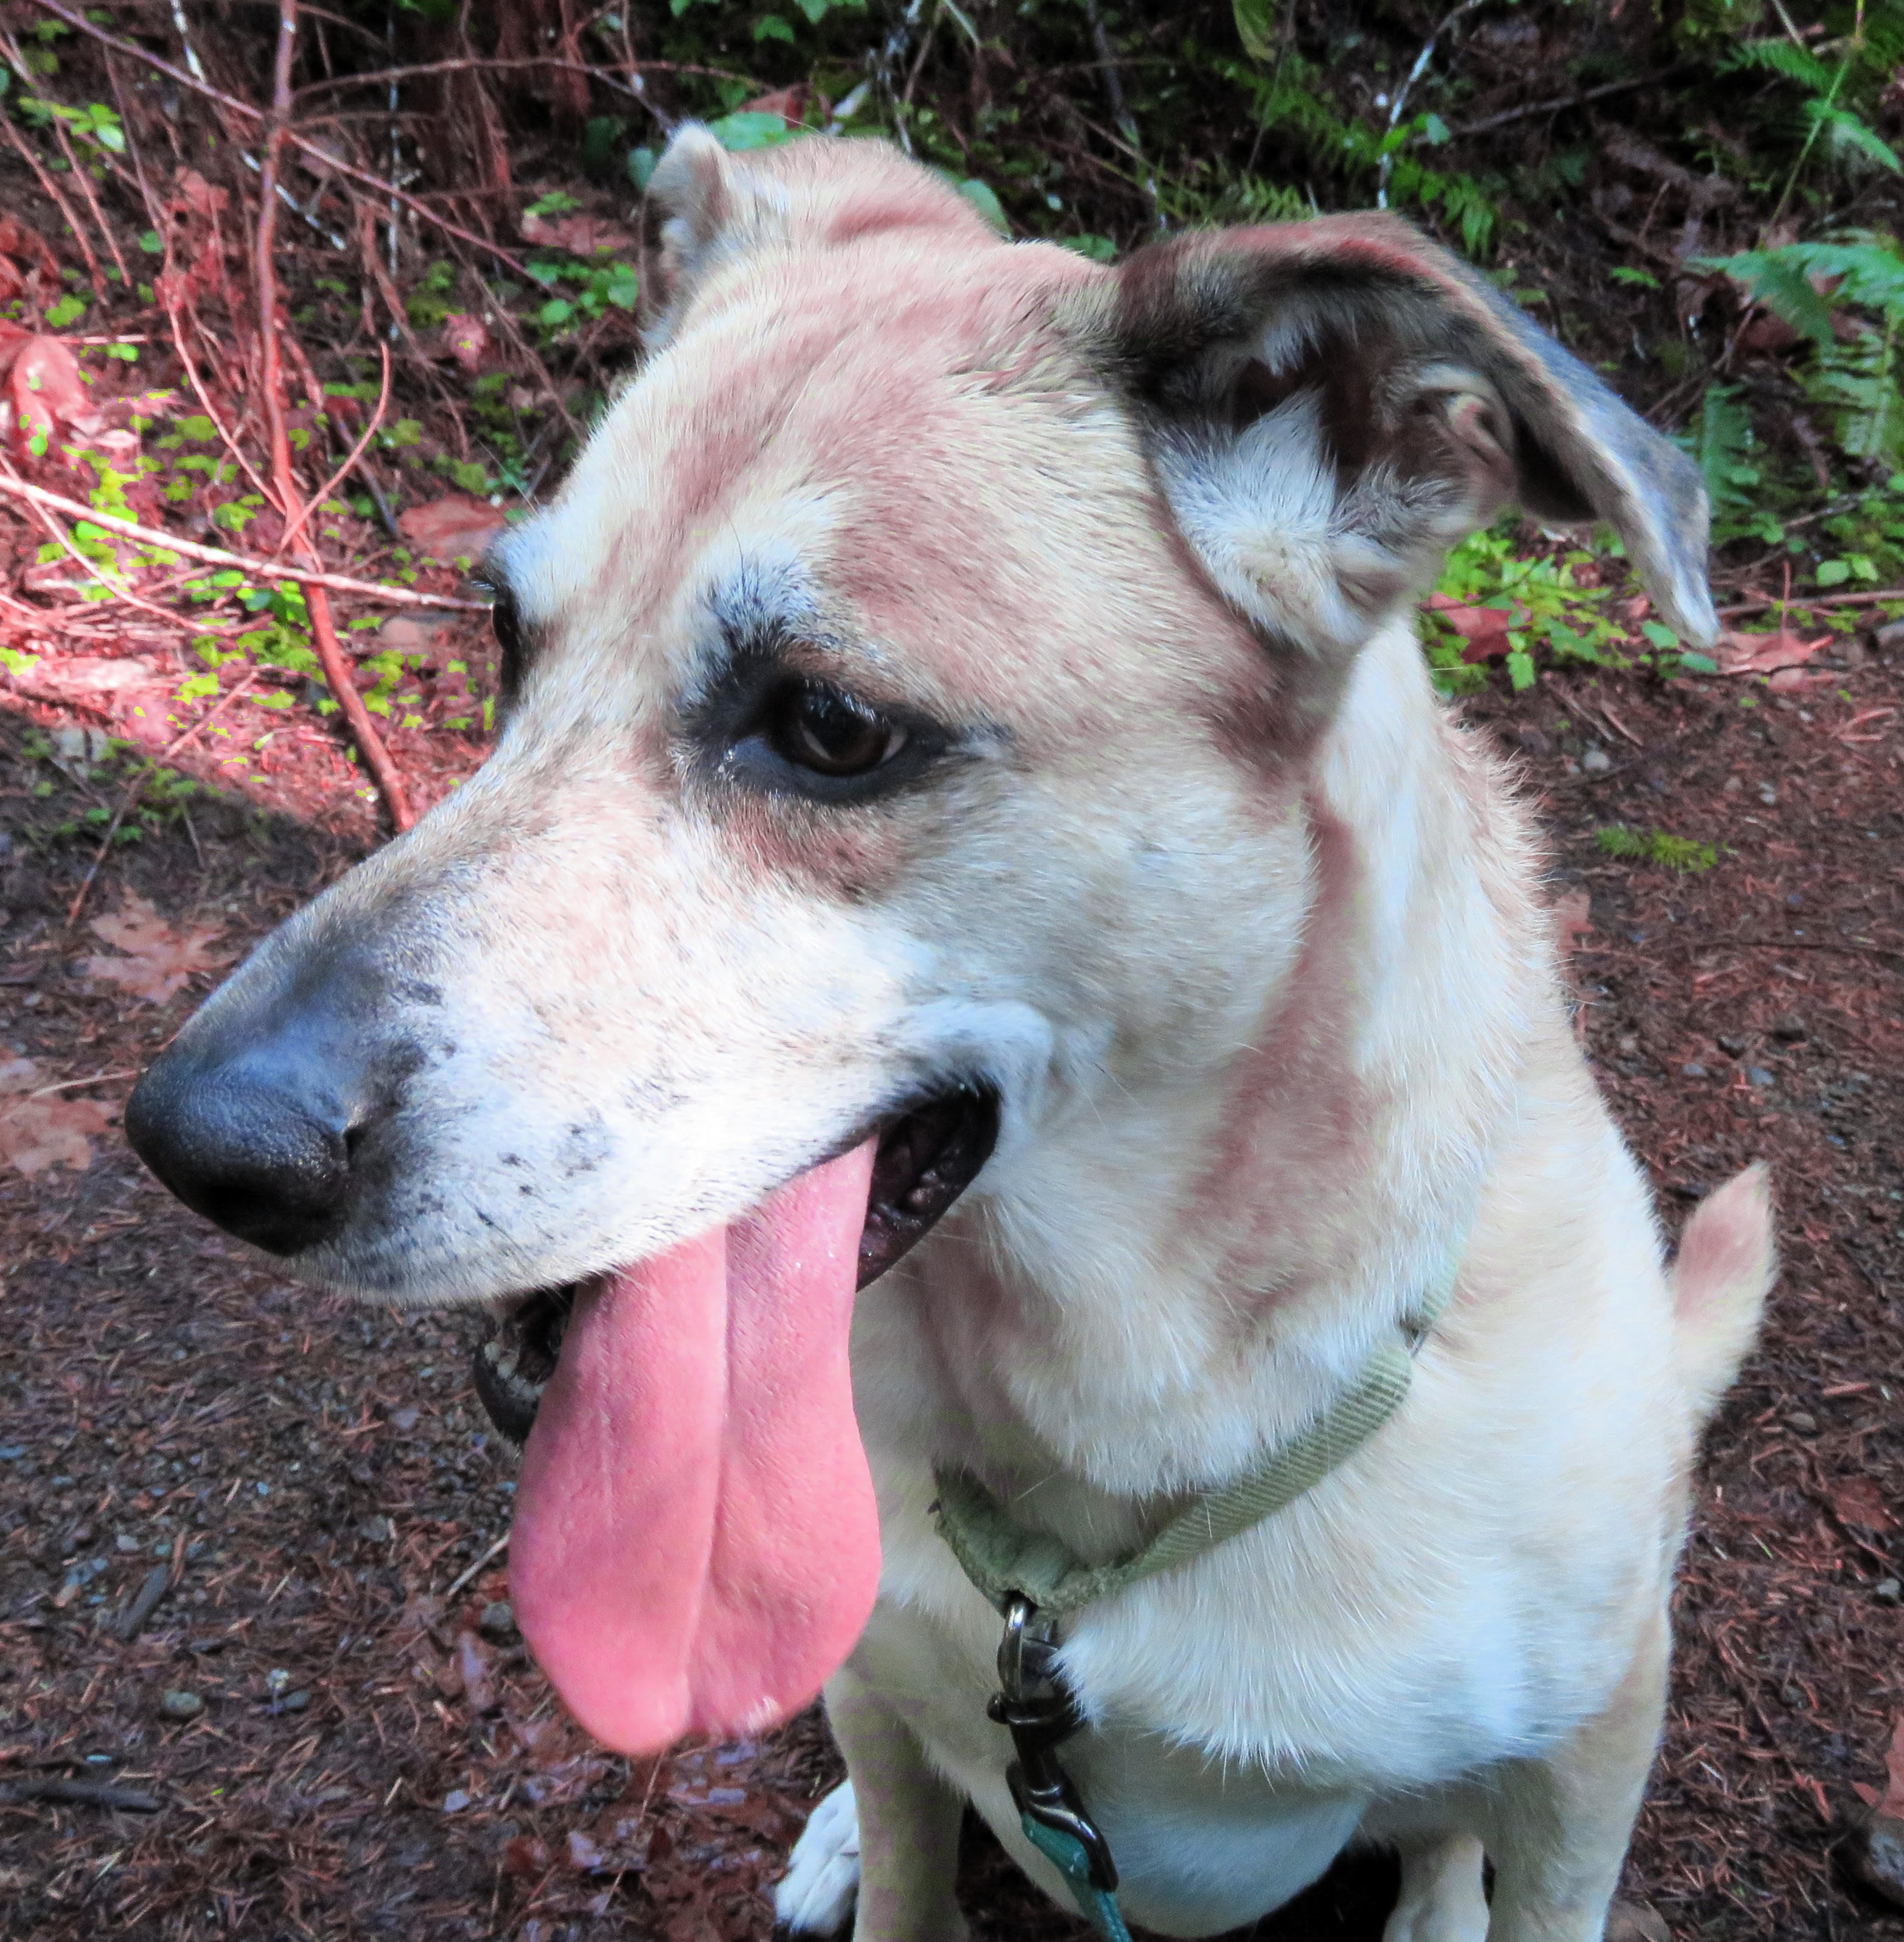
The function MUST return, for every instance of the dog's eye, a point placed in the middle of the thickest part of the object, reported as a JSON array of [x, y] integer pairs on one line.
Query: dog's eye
[[506, 618], [821, 729]]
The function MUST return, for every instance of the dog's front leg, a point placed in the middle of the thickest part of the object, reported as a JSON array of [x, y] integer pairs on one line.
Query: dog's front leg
[[907, 1829], [1562, 1824]]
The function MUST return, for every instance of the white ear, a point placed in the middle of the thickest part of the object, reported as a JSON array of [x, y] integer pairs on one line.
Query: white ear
[[691, 184], [712, 211], [814, 193]]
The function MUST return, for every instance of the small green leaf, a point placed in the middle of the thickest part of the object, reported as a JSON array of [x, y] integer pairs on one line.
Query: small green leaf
[[69, 310], [1256, 24], [771, 27], [980, 196], [738, 132]]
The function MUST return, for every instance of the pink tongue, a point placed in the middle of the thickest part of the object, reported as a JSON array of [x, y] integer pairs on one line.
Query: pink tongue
[[695, 1546]]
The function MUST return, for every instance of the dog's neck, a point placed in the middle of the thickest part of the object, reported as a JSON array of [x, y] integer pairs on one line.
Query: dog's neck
[[1196, 1251]]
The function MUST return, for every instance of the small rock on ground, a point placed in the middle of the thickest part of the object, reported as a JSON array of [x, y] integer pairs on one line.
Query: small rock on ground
[[1876, 1854], [1637, 1922]]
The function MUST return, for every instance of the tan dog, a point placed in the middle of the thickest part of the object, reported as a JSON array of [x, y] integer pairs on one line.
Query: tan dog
[[965, 730]]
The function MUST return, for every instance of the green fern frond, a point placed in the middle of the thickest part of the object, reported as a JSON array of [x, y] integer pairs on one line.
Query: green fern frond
[[1850, 134], [1857, 382], [1782, 57], [1721, 436], [1778, 279]]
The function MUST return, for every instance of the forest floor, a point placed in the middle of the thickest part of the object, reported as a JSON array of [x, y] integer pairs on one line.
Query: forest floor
[[325, 1726]]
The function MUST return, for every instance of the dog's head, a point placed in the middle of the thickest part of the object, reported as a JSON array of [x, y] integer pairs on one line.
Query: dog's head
[[909, 700]]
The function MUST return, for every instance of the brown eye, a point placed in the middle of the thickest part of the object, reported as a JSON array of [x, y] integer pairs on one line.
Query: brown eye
[[821, 729], [512, 643]]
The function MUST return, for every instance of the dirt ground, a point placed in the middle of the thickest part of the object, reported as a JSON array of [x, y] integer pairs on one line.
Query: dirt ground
[[325, 1726]]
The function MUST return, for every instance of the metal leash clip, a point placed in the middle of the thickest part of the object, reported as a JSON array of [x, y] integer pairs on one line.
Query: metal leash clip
[[1041, 1713]]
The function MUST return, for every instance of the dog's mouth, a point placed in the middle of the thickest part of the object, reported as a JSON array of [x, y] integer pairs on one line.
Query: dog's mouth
[[926, 1158]]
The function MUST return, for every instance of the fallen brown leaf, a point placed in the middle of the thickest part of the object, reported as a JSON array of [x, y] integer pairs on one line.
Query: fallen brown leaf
[[53, 1130], [1741, 652], [1573, 917], [791, 104], [47, 390], [1799, 680], [455, 528], [579, 235], [1857, 1501], [1484, 629], [26, 245], [466, 338], [159, 960]]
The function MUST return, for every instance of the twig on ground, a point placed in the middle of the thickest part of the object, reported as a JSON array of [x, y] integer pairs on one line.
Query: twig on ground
[[376, 272], [51, 191], [262, 569], [1554, 107], [1804, 601], [472, 63], [79, 1084], [226, 436], [132, 1621], [82, 175], [80, 1793], [199, 85], [338, 672], [495, 1551], [357, 451], [92, 568]]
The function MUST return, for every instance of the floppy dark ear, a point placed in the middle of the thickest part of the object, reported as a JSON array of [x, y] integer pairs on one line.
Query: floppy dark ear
[[1333, 404]]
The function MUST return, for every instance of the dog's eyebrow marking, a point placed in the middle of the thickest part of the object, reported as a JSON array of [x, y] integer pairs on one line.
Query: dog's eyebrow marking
[[757, 609]]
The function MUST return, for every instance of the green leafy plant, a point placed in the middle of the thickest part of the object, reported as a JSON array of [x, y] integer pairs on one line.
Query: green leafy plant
[[1847, 297], [1837, 80], [1289, 99], [1655, 845]]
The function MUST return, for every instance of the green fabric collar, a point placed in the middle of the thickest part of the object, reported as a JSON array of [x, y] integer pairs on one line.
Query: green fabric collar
[[1004, 1559]]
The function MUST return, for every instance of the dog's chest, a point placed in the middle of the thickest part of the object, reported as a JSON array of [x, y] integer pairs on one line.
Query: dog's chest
[[1322, 1722], [1201, 1846]]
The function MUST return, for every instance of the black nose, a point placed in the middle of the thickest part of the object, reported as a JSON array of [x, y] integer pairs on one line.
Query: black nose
[[256, 1143]]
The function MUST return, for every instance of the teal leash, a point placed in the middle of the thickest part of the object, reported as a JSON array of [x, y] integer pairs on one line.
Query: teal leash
[[1041, 1712], [1098, 1906]]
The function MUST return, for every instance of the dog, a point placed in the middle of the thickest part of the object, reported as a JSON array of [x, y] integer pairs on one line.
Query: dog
[[979, 952]]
